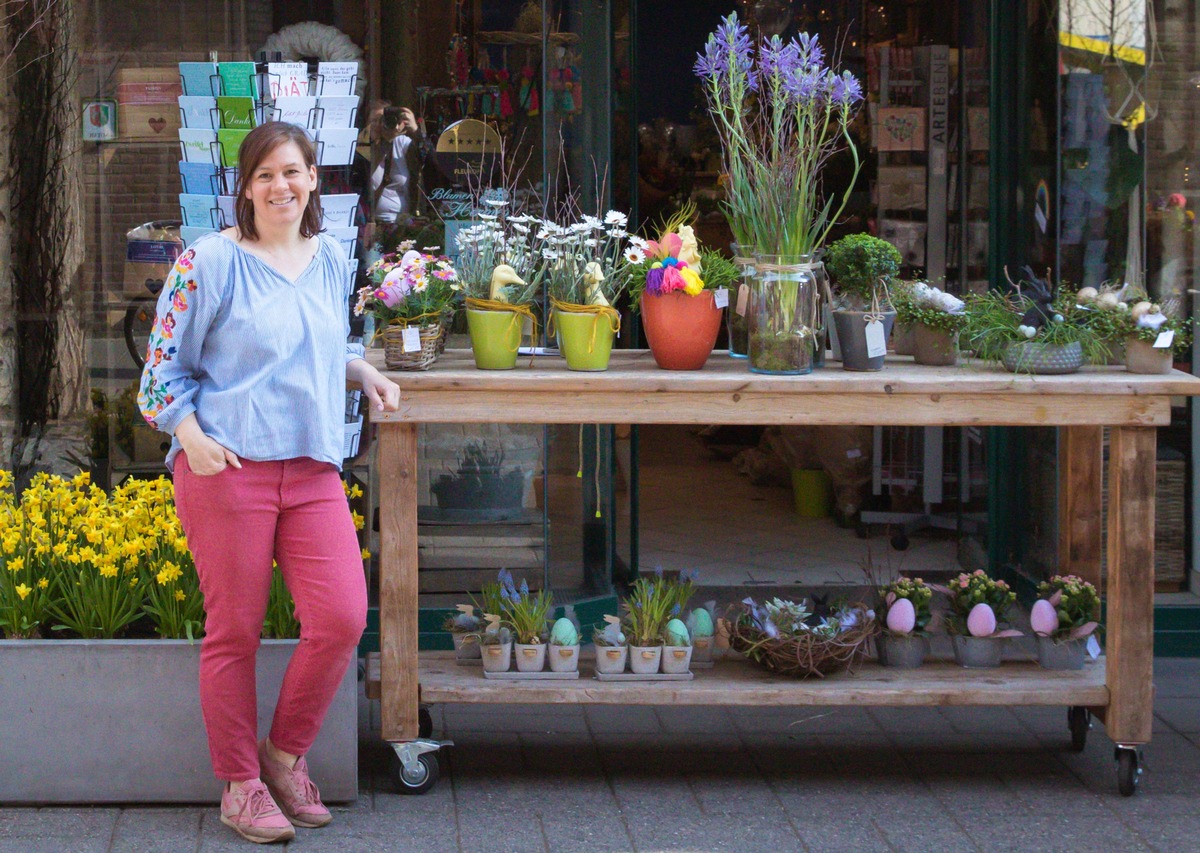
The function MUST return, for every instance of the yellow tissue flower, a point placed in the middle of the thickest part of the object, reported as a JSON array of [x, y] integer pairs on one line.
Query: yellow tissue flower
[[694, 284]]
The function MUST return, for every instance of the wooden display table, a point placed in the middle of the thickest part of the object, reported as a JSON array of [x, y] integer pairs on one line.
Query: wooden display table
[[1118, 689]]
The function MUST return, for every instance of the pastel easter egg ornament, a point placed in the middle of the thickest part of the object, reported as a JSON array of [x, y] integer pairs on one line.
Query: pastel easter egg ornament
[[901, 617], [1043, 618], [981, 621], [677, 634], [563, 633]]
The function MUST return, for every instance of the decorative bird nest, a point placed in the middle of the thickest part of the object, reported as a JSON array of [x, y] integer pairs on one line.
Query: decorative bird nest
[[806, 654]]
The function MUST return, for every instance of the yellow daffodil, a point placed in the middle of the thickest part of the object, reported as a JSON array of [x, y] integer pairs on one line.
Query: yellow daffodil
[[366, 553], [359, 521], [22, 591], [180, 595], [16, 564], [43, 583]]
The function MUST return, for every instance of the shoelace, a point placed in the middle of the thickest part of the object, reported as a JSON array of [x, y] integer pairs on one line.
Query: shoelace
[[259, 803], [303, 788]]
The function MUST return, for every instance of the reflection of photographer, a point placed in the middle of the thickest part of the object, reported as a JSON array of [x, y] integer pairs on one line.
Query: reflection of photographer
[[397, 150]]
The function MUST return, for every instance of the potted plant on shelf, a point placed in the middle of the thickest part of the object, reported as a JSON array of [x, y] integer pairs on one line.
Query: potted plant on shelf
[[677, 648], [675, 288], [1153, 336], [781, 112], [862, 268], [648, 609], [464, 627], [904, 642], [935, 318], [1030, 330], [612, 650], [496, 645], [784, 637], [411, 298], [702, 627], [498, 265], [1063, 619], [586, 262], [527, 614], [564, 646], [1105, 313], [978, 608]]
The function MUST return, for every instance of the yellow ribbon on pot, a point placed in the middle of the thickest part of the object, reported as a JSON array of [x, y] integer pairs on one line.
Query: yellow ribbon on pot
[[519, 313], [598, 311], [405, 322]]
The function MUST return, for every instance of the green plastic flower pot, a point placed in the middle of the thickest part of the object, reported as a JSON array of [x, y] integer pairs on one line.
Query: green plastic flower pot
[[813, 491], [495, 338], [586, 340]]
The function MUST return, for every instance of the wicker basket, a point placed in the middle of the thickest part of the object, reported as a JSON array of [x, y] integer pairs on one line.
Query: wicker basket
[[1170, 526], [396, 358], [803, 656]]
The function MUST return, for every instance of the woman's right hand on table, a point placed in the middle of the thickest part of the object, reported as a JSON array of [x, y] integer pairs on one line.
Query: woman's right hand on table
[[205, 457]]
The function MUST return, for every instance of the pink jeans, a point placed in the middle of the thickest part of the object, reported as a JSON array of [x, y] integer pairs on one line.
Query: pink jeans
[[237, 522]]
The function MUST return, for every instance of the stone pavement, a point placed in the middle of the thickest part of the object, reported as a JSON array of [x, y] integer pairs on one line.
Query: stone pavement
[[531, 778]]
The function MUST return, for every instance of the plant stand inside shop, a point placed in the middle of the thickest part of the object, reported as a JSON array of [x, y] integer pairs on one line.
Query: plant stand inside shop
[[1117, 689]]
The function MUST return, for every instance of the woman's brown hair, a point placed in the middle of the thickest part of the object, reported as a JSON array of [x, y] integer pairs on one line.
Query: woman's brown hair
[[257, 145]]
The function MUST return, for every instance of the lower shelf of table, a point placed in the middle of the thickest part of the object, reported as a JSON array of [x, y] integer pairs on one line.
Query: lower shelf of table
[[741, 683]]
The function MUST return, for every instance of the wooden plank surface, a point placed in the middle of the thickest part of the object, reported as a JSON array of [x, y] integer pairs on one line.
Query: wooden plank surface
[[398, 581], [1129, 628], [740, 683], [1080, 535]]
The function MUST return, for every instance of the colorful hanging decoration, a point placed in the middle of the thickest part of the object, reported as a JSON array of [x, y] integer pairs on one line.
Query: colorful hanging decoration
[[527, 96]]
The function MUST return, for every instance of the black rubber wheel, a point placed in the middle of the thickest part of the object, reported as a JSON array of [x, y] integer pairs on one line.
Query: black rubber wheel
[[420, 781], [900, 542], [1079, 720], [139, 320], [1127, 771], [424, 723]]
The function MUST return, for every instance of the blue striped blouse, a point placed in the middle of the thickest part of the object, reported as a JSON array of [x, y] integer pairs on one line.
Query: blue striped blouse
[[260, 359]]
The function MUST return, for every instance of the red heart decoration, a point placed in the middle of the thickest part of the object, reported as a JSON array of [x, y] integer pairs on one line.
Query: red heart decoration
[[157, 124]]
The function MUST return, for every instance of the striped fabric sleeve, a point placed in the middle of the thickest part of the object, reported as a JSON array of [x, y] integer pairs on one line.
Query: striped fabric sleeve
[[186, 307]]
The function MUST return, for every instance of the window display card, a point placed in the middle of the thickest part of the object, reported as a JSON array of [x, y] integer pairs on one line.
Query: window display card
[[198, 111], [901, 187], [288, 79], [190, 233], [237, 113], [335, 145], [230, 141], [238, 79], [197, 144], [337, 211], [337, 111], [198, 178], [347, 237], [228, 218], [296, 110], [899, 128], [336, 78], [198, 210], [199, 79], [227, 180]]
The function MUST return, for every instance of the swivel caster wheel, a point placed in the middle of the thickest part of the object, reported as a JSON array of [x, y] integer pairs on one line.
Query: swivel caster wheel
[[1079, 721], [1128, 772], [418, 775]]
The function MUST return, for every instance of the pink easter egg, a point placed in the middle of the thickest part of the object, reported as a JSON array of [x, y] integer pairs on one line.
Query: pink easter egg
[[981, 621], [1043, 618], [901, 617]]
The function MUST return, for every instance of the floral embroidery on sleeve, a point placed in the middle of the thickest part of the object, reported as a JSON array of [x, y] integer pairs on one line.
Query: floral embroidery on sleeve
[[153, 396]]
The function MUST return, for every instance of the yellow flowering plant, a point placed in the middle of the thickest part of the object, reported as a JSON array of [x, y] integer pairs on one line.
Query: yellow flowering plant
[[23, 586]]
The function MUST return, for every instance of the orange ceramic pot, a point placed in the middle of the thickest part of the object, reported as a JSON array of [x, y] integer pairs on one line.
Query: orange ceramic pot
[[681, 329]]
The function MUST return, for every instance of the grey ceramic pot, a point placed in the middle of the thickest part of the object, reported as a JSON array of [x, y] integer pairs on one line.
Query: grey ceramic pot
[[978, 652], [902, 652], [1043, 358], [852, 335], [1066, 654]]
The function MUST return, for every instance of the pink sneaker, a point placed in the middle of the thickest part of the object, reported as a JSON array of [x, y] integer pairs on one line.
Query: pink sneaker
[[294, 791], [252, 813]]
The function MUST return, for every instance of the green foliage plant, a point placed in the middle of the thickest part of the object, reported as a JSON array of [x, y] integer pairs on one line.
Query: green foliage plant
[[913, 307], [993, 322], [862, 267], [648, 610], [916, 591], [971, 588], [1077, 603]]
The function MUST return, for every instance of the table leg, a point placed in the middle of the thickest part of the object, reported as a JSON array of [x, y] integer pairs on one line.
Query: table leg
[[398, 580], [1130, 617], [1080, 533]]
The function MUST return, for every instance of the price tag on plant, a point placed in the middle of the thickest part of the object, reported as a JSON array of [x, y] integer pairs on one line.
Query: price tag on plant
[[1093, 647], [876, 339], [743, 300], [412, 339], [1164, 340], [721, 298]]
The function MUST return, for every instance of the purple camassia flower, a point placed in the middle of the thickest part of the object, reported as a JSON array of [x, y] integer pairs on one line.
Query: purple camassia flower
[[777, 60], [806, 84], [845, 91], [808, 50], [729, 50]]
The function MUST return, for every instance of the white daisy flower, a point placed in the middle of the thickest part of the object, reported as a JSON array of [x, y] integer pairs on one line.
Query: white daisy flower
[[615, 217]]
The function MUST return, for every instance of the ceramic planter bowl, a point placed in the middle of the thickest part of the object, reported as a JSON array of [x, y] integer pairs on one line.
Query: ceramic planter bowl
[[645, 660], [531, 657], [466, 646], [497, 657], [681, 329], [611, 659], [1064, 654], [495, 338], [585, 339], [676, 659], [564, 658], [902, 652], [935, 347], [702, 649], [852, 335], [978, 652], [1141, 357], [1042, 358]]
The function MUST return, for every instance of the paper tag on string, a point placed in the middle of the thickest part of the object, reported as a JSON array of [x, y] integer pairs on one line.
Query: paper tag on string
[[721, 298], [1093, 647], [412, 339], [743, 300], [876, 339], [1164, 340]]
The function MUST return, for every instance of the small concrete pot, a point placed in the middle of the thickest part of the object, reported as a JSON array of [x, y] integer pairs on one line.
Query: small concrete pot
[[904, 339], [611, 659], [1042, 358], [564, 658], [852, 335], [902, 652], [1141, 357], [645, 660], [676, 659], [978, 652], [935, 347], [702, 649], [531, 657], [1065, 654], [497, 657], [466, 646]]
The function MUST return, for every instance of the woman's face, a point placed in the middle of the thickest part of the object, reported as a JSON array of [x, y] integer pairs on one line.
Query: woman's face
[[280, 187]]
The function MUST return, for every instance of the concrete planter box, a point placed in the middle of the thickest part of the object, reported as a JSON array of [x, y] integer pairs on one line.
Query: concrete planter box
[[118, 721]]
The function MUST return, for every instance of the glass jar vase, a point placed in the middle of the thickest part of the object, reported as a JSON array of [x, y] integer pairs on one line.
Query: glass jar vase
[[783, 315]]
